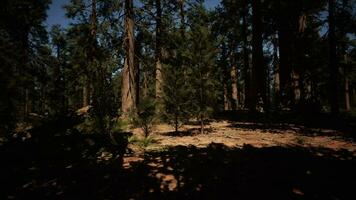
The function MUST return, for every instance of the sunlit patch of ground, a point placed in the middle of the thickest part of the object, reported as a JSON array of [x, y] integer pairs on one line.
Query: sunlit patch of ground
[[234, 134]]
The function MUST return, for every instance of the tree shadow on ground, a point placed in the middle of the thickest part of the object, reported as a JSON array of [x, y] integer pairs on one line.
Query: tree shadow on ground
[[188, 132], [60, 169], [283, 128], [219, 172], [178, 133], [54, 158]]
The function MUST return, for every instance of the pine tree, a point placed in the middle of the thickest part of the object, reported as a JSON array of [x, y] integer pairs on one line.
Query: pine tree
[[58, 93], [158, 56], [258, 66], [22, 36], [93, 56], [334, 104], [175, 87], [201, 60]]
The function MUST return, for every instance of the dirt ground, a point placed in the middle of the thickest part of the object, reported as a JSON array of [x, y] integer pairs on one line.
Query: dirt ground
[[276, 141], [238, 134], [242, 160]]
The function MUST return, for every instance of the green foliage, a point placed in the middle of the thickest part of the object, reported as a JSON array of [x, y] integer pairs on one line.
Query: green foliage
[[300, 140], [22, 38], [132, 139], [119, 125], [177, 89], [145, 116], [8, 96], [201, 60], [142, 142], [93, 57], [91, 125], [176, 99], [146, 142]]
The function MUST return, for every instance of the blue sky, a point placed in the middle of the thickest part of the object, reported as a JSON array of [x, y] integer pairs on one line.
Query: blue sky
[[56, 13]]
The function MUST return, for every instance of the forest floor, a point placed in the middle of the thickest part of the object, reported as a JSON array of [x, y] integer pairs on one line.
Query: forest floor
[[234, 159], [237, 134], [280, 149]]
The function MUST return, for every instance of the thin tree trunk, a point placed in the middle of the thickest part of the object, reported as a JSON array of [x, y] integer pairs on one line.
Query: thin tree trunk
[[182, 61], [285, 52], [334, 102], [176, 122], [347, 86], [226, 99], [158, 57], [27, 103], [182, 20], [93, 24], [347, 95], [128, 77], [258, 67], [233, 76], [354, 94], [284, 65], [86, 93], [87, 82], [25, 63], [201, 91], [346, 66], [296, 87], [57, 83], [138, 66], [201, 124], [225, 76], [247, 71], [234, 91], [145, 85], [277, 88]]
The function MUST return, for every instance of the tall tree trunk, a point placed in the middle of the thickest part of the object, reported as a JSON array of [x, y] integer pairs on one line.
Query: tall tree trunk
[[247, 70], [296, 87], [182, 18], [59, 106], [285, 52], [201, 124], [93, 27], [346, 65], [334, 102], [138, 65], [226, 97], [224, 76], [284, 64], [346, 85], [182, 61], [258, 67], [158, 57], [234, 95], [353, 94], [234, 90], [25, 65], [145, 85], [128, 76], [347, 94], [201, 91], [86, 92], [65, 94], [277, 88]]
